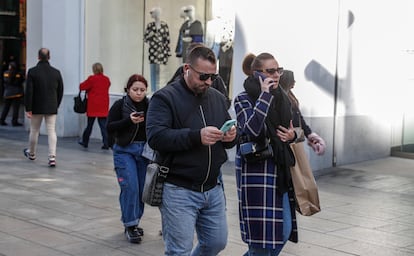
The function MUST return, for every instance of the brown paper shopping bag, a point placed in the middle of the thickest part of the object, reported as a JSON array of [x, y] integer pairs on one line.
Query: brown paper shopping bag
[[306, 190]]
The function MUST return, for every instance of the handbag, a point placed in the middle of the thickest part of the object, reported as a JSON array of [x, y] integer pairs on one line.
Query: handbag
[[300, 134], [148, 152], [80, 103], [154, 184], [304, 184], [254, 152]]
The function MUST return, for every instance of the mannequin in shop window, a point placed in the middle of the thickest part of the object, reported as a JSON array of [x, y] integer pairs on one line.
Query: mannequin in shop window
[[191, 31], [220, 37], [157, 35]]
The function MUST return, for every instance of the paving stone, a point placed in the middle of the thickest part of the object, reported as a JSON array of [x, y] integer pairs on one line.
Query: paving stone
[[73, 209]]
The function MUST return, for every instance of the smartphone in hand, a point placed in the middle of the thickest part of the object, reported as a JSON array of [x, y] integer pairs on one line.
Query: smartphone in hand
[[258, 74], [227, 125], [138, 114]]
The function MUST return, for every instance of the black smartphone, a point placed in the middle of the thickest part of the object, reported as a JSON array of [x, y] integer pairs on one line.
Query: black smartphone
[[258, 74], [137, 114]]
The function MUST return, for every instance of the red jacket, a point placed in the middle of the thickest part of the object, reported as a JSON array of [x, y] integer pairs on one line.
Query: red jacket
[[97, 88]]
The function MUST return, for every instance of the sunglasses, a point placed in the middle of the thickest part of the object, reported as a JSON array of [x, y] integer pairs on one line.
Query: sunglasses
[[271, 71], [204, 76]]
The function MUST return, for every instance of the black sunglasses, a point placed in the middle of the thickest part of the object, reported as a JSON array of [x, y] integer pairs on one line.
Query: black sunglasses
[[271, 71], [204, 76]]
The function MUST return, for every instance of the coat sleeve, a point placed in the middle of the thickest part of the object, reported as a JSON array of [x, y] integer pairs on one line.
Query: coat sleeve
[[59, 89], [251, 118], [28, 93], [162, 131]]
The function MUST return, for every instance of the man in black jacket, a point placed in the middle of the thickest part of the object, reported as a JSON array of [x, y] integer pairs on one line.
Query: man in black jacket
[[183, 123], [43, 95]]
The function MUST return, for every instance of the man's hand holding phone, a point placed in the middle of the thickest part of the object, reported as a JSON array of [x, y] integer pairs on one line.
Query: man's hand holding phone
[[229, 130]]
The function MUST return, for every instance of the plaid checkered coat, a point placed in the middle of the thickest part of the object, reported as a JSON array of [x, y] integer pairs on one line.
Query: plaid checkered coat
[[260, 204]]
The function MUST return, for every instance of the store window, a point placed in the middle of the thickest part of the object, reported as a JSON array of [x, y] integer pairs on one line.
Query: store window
[[150, 37]]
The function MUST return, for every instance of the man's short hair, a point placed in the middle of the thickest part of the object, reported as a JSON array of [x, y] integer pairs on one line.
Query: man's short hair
[[44, 54], [201, 52]]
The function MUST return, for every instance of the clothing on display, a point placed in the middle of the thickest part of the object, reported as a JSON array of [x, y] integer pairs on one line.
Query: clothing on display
[[157, 35], [191, 31], [158, 39]]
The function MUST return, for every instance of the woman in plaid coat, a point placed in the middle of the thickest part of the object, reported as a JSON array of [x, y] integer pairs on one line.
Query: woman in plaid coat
[[265, 191]]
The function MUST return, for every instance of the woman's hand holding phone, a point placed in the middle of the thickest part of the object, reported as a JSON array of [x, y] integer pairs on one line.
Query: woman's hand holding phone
[[137, 117], [265, 82]]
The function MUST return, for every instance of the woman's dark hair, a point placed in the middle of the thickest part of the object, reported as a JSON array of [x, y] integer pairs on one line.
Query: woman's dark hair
[[134, 78], [247, 64], [287, 79]]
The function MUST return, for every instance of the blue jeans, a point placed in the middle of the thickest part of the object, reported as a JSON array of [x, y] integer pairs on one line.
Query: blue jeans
[[155, 76], [184, 211], [287, 229], [130, 168], [88, 130]]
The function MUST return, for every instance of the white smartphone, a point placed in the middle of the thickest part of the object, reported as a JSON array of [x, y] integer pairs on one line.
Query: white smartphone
[[227, 125]]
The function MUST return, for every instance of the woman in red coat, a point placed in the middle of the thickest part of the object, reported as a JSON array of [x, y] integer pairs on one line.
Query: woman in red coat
[[97, 89]]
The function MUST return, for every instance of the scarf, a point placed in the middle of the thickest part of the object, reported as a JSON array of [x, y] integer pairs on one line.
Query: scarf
[[279, 113]]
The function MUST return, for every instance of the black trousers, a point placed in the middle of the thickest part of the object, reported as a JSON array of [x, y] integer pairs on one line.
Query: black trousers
[[15, 103]]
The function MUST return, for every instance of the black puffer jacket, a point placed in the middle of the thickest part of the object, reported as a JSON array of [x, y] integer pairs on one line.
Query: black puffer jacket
[[175, 118]]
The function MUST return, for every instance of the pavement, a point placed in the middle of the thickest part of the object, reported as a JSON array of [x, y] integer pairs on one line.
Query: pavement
[[73, 209]]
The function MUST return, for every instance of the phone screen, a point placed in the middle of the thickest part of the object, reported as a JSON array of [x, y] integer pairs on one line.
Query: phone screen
[[227, 125], [140, 113]]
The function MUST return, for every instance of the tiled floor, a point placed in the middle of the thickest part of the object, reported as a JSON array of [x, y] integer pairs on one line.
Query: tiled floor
[[367, 208]]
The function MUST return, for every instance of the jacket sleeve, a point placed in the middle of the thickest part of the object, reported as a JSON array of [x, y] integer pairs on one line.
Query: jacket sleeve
[[219, 85], [85, 85], [28, 93], [251, 118], [115, 122], [163, 133], [306, 129], [59, 89]]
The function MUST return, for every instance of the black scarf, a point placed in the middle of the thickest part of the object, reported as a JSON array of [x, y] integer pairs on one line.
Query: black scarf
[[280, 113]]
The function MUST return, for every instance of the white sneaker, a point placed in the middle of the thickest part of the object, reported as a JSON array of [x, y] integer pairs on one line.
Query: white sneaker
[[52, 161]]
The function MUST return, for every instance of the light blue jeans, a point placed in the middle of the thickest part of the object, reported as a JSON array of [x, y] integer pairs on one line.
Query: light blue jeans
[[130, 168], [287, 229], [184, 211], [155, 76]]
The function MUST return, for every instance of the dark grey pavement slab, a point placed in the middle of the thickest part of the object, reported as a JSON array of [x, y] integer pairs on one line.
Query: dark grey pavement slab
[[367, 208]]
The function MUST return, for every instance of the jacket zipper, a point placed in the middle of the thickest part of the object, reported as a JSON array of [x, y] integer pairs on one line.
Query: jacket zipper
[[137, 125], [135, 134], [209, 152]]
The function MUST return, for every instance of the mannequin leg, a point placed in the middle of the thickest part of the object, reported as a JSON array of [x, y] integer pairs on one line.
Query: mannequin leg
[[155, 76]]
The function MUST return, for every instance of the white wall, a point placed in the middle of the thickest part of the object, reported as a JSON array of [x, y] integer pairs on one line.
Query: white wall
[[56, 26], [372, 59]]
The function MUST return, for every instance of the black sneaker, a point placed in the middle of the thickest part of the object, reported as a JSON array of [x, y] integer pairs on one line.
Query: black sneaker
[[140, 231], [29, 155], [82, 144], [133, 235]]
